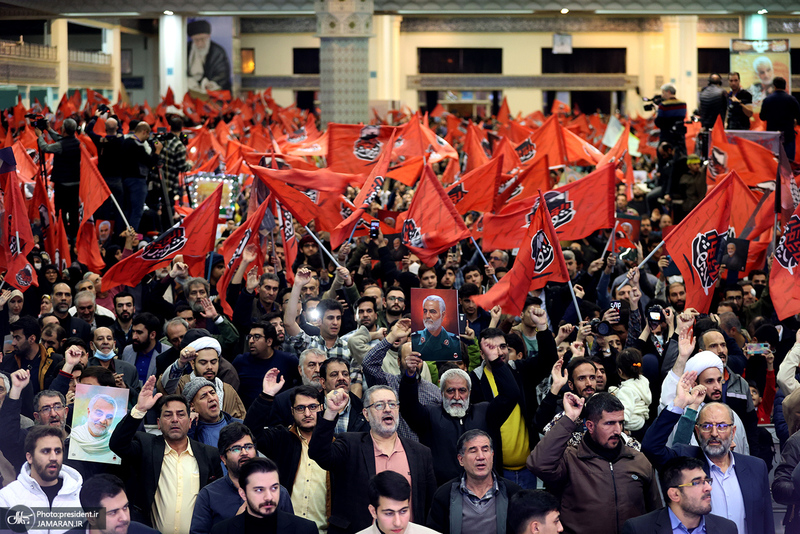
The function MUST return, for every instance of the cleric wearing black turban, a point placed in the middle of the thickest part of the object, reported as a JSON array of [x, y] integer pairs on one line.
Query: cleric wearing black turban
[[208, 68]]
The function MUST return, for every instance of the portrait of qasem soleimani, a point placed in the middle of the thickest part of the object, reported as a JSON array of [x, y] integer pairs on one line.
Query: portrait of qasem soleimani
[[434, 319], [98, 410]]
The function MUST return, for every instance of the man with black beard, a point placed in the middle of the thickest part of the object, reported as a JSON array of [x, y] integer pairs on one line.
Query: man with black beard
[[145, 345], [439, 427], [220, 500], [288, 447], [676, 293], [335, 374], [260, 490]]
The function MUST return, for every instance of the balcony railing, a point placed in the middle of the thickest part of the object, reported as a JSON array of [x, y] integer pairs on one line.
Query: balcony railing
[[27, 50], [92, 58]]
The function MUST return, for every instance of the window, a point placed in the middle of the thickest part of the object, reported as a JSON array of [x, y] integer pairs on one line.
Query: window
[[248, 60], [305, 60], [710, 60], [584, 61], [460, 60]]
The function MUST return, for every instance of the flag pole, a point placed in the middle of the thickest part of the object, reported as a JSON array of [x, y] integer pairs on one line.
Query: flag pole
[[483, 257], [575, 301], [661, 244], [119, 209], [322, 247], [613, 232]]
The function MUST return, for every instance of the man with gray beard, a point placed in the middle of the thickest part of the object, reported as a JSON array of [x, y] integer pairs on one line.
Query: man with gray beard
[[434, 342], [439, 427]]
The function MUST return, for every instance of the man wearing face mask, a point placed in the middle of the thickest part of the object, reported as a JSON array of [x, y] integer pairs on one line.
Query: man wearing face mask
[[139, 155], [104, 355]]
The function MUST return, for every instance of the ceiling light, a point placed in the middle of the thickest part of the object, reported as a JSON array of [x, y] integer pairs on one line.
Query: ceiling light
[[762, 11], [168, 12], [564, 10]]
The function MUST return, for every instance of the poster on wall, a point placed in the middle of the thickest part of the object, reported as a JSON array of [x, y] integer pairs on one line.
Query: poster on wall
[[758, 62], [210, 49]]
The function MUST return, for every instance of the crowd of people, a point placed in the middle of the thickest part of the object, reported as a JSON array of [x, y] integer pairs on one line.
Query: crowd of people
[[307, 408]]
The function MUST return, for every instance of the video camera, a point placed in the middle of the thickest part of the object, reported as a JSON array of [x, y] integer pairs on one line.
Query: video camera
[[161, 135], [102, 108], [652, 102], [38, 121]]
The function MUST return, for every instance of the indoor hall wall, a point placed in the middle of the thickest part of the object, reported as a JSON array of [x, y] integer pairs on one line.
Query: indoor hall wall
[[274, 56]]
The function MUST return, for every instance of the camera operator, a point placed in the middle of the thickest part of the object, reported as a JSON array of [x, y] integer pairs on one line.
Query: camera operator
[[174, 157], [109, 162], [713, 102], [139, 155], [669, 119], [66, 150]]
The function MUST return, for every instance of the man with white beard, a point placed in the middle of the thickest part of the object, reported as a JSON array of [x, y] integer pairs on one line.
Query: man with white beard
[[439, 427], [208, 67], [434, 342]]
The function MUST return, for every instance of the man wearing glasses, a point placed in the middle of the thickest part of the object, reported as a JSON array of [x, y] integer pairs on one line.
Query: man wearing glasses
[[742, 493], [220, 500], [395, 305], [353, 458], [687, 491], [289, 447], [262, 342]]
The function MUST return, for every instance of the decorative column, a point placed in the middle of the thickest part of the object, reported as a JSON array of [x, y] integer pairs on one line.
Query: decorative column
[[387, 30], [172, 55], [112, 45], [59, 37], [753, 27], [344, 28], [680, 67]]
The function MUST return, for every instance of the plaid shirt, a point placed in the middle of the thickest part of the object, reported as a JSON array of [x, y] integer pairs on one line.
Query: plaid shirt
[[174, 156], [428, 394], [303, 341]]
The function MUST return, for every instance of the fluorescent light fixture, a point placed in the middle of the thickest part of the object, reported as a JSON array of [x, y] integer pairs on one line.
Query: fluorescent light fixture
[[464, 12], [260, 13], [106, 14], [762, 11], [564, 10], [168, 12], [660, 12]]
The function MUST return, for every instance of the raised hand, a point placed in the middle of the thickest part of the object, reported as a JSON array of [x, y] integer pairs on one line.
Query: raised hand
[[579, 291], [686, 343], [72, 358], [400, 330], [686, 320], [683, 391], [539, 318], [595, 266], [412, 363], [336, 400], [302, 277], [271, 384], [343, 275], [250, 253], [496, 312], [490, 350], [187, 355], [558, 376], [563, 332], [19, 381], [179, 270], [611, 315], [209, 311], [635, 296], [573, 406], [578, 349], [4, 297], [252, 280], [633, 276], [146, 398]]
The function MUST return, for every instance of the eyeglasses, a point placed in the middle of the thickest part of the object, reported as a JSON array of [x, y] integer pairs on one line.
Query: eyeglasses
[[237, 449], [44, 410], [379, 406], [708, 427], [398, 299], [302, 409], [696, 482], [253, 337]]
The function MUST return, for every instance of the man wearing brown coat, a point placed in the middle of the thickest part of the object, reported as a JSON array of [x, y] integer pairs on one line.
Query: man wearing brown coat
[[601, 479]]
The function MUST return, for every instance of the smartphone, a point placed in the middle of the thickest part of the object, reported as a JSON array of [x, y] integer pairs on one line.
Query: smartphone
[[462, 323], [757, 348], [374, 228], [616, 305], [341, 294]]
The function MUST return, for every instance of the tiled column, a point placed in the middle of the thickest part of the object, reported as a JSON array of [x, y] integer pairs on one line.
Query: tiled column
[[344, 28]]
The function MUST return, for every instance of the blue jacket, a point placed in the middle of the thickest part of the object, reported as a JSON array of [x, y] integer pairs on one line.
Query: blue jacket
[[751, 472], [197, 426]]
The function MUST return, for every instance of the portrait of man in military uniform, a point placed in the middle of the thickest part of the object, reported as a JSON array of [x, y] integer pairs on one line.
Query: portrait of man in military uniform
[[433, 341]]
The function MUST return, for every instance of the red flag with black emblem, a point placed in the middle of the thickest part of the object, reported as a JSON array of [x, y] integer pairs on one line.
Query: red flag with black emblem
[[548, 139], [432, 224], [233, 247], [193, 238], [785, 277], [61, 258], [369, 191], [286, 224], [40, 209], [539, 261], [578, 209], [476, 150], [354, 148], [525, 184], [93, 192], [476, 189], [17, 237], [301, 206], [697, 244]]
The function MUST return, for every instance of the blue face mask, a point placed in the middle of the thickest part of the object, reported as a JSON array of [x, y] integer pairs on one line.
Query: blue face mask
[[105, 357]]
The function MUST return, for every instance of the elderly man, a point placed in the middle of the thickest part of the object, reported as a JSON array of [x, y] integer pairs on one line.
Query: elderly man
[[104, 356], [354, 456], [201, 394], [62, 302], [477, 501], [208, 67], [601, 455], [687, 490], [91, 438], [86, 309], [439, 427], [433, 341], [743, 495]]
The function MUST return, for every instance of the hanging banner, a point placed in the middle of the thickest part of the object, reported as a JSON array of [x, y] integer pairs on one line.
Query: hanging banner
[[758, 62]]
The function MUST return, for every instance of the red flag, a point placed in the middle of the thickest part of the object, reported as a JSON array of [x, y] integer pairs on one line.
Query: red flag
[[504, 113], [476, 189], [93, 192], [286, 224], [432, 223], [548, 139], [621, 158], [193, 238], [369, 191], [297, 202], [579, 151], [697, 244], [785, 277], [234, 245], [559, 107], [525, 184], [415, 139], [539, 261], [355, 149], [476, 150], [578, 209], [40, 209], [61, 258], [27, 170], [409, 171], [16, 228]]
